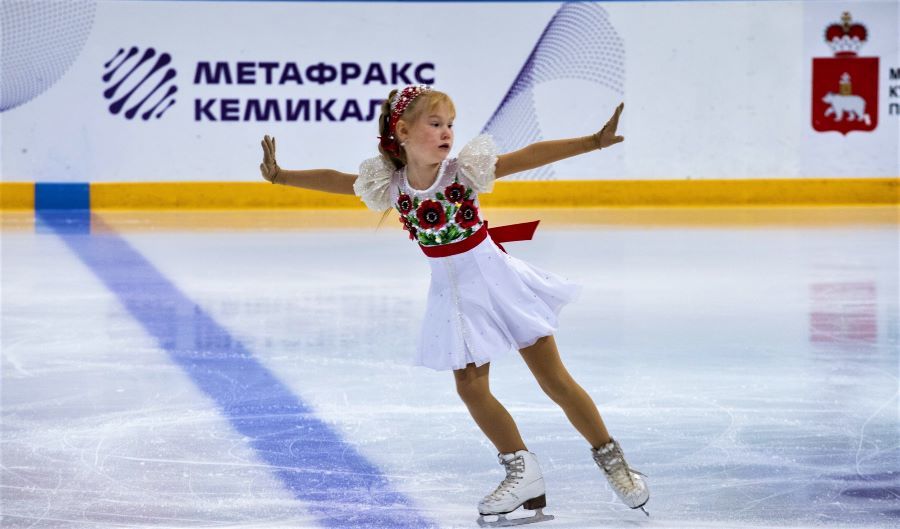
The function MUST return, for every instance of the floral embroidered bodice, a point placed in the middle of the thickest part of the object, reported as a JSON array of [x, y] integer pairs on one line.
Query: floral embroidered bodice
[[446, 212]]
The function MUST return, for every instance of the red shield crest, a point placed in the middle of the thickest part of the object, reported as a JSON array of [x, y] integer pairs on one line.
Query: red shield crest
[[845, 94], [845, 87]]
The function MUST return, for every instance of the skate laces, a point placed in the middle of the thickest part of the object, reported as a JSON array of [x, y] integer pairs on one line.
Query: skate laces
[[611, 459], [515, 467]]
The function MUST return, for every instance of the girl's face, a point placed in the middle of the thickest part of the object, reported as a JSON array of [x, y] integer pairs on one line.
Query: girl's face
[[430, 137]]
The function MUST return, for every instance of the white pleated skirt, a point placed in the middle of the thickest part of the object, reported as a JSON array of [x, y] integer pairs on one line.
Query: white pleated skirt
[[485, 303]]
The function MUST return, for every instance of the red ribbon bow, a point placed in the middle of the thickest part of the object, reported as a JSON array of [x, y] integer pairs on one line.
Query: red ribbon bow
[[523, 231]]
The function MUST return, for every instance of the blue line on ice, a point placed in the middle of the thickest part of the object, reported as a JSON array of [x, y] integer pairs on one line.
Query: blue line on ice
[[335, 481]]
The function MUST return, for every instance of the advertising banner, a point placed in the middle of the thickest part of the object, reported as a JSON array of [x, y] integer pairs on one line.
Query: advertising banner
[[184, 91]]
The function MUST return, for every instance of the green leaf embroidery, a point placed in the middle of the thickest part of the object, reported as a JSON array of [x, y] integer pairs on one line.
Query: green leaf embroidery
[[440, 196], [415, 203], [468, 232], [468, 192], [427, 239]]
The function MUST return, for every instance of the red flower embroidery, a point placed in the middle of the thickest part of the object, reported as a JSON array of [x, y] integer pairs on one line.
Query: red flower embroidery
[[455, 192], [467, 216], [431, 214], [408, 226], [404, 203]]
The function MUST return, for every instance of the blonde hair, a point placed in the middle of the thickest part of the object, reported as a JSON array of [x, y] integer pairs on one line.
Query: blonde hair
[[429, 101]]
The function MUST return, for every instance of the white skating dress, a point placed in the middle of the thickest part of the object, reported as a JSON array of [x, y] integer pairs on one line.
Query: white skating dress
[[482, 302]]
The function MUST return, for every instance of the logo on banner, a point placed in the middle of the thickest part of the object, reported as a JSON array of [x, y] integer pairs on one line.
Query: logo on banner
[[143, 84], [845, 87], [137, 90]]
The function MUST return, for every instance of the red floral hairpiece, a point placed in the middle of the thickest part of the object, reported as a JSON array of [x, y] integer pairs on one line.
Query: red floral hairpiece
[[399, 103]]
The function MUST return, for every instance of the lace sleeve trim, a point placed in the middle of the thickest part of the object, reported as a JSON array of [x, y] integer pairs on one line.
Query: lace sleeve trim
[[477, 161], [373, 184]]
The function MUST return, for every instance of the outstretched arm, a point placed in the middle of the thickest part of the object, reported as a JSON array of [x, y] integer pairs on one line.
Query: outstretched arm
[[327, 180], [545, 152]]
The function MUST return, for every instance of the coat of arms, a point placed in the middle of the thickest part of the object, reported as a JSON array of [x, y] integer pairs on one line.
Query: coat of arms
[[845, 87]]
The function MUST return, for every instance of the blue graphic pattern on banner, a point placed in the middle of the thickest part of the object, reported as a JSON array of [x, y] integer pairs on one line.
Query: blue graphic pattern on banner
[[312, 461], [40, 41], [579, 42]]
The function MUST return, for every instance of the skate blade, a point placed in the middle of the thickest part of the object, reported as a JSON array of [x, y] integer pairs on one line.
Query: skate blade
[[503, 521], [641, 507]]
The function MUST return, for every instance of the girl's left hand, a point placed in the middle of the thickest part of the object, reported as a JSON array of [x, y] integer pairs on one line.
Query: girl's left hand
[[607, 135]]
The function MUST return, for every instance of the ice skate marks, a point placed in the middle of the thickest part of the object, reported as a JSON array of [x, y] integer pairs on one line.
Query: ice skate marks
[[331, 478]]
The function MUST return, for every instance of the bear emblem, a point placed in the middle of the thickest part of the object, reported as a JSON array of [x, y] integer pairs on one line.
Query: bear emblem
[[853, 105]]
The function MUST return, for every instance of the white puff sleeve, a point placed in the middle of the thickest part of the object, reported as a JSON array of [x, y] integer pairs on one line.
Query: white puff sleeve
[[373, 184], [477, 161]]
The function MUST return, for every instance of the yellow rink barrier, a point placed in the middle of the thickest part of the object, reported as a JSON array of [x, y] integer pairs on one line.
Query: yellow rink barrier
[[643, 193], [511, 193], [16, 195]]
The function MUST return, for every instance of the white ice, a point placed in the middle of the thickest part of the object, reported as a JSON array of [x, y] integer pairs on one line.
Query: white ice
[[750, 371]]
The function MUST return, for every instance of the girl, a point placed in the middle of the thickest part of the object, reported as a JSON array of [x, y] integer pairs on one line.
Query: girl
[[481, 302]]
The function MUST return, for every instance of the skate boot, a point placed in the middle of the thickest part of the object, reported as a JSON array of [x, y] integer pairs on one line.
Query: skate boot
[[624, 480], [522, 487]]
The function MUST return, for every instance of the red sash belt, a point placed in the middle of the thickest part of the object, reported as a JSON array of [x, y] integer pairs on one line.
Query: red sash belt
[[508, 233]]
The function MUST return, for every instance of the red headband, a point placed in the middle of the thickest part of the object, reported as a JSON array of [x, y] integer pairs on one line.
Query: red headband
[[398, 105]]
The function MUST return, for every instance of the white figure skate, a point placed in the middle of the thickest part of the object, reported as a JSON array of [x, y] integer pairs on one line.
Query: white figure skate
[[522, 487], [624, 480]]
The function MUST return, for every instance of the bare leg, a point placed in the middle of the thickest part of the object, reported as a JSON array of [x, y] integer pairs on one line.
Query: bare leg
[[544, 362], [493, 419]]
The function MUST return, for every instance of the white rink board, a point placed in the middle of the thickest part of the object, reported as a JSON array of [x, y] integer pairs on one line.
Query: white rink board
[[712, 89]]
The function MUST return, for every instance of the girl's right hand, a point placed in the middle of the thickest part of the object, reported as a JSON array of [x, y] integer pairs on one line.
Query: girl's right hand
[[269, 167]]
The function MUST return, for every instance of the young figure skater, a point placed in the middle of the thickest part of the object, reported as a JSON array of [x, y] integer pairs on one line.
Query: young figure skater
[[481, 302]]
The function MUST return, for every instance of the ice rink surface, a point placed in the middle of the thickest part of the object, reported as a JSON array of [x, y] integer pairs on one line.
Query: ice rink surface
[[250, 369]]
